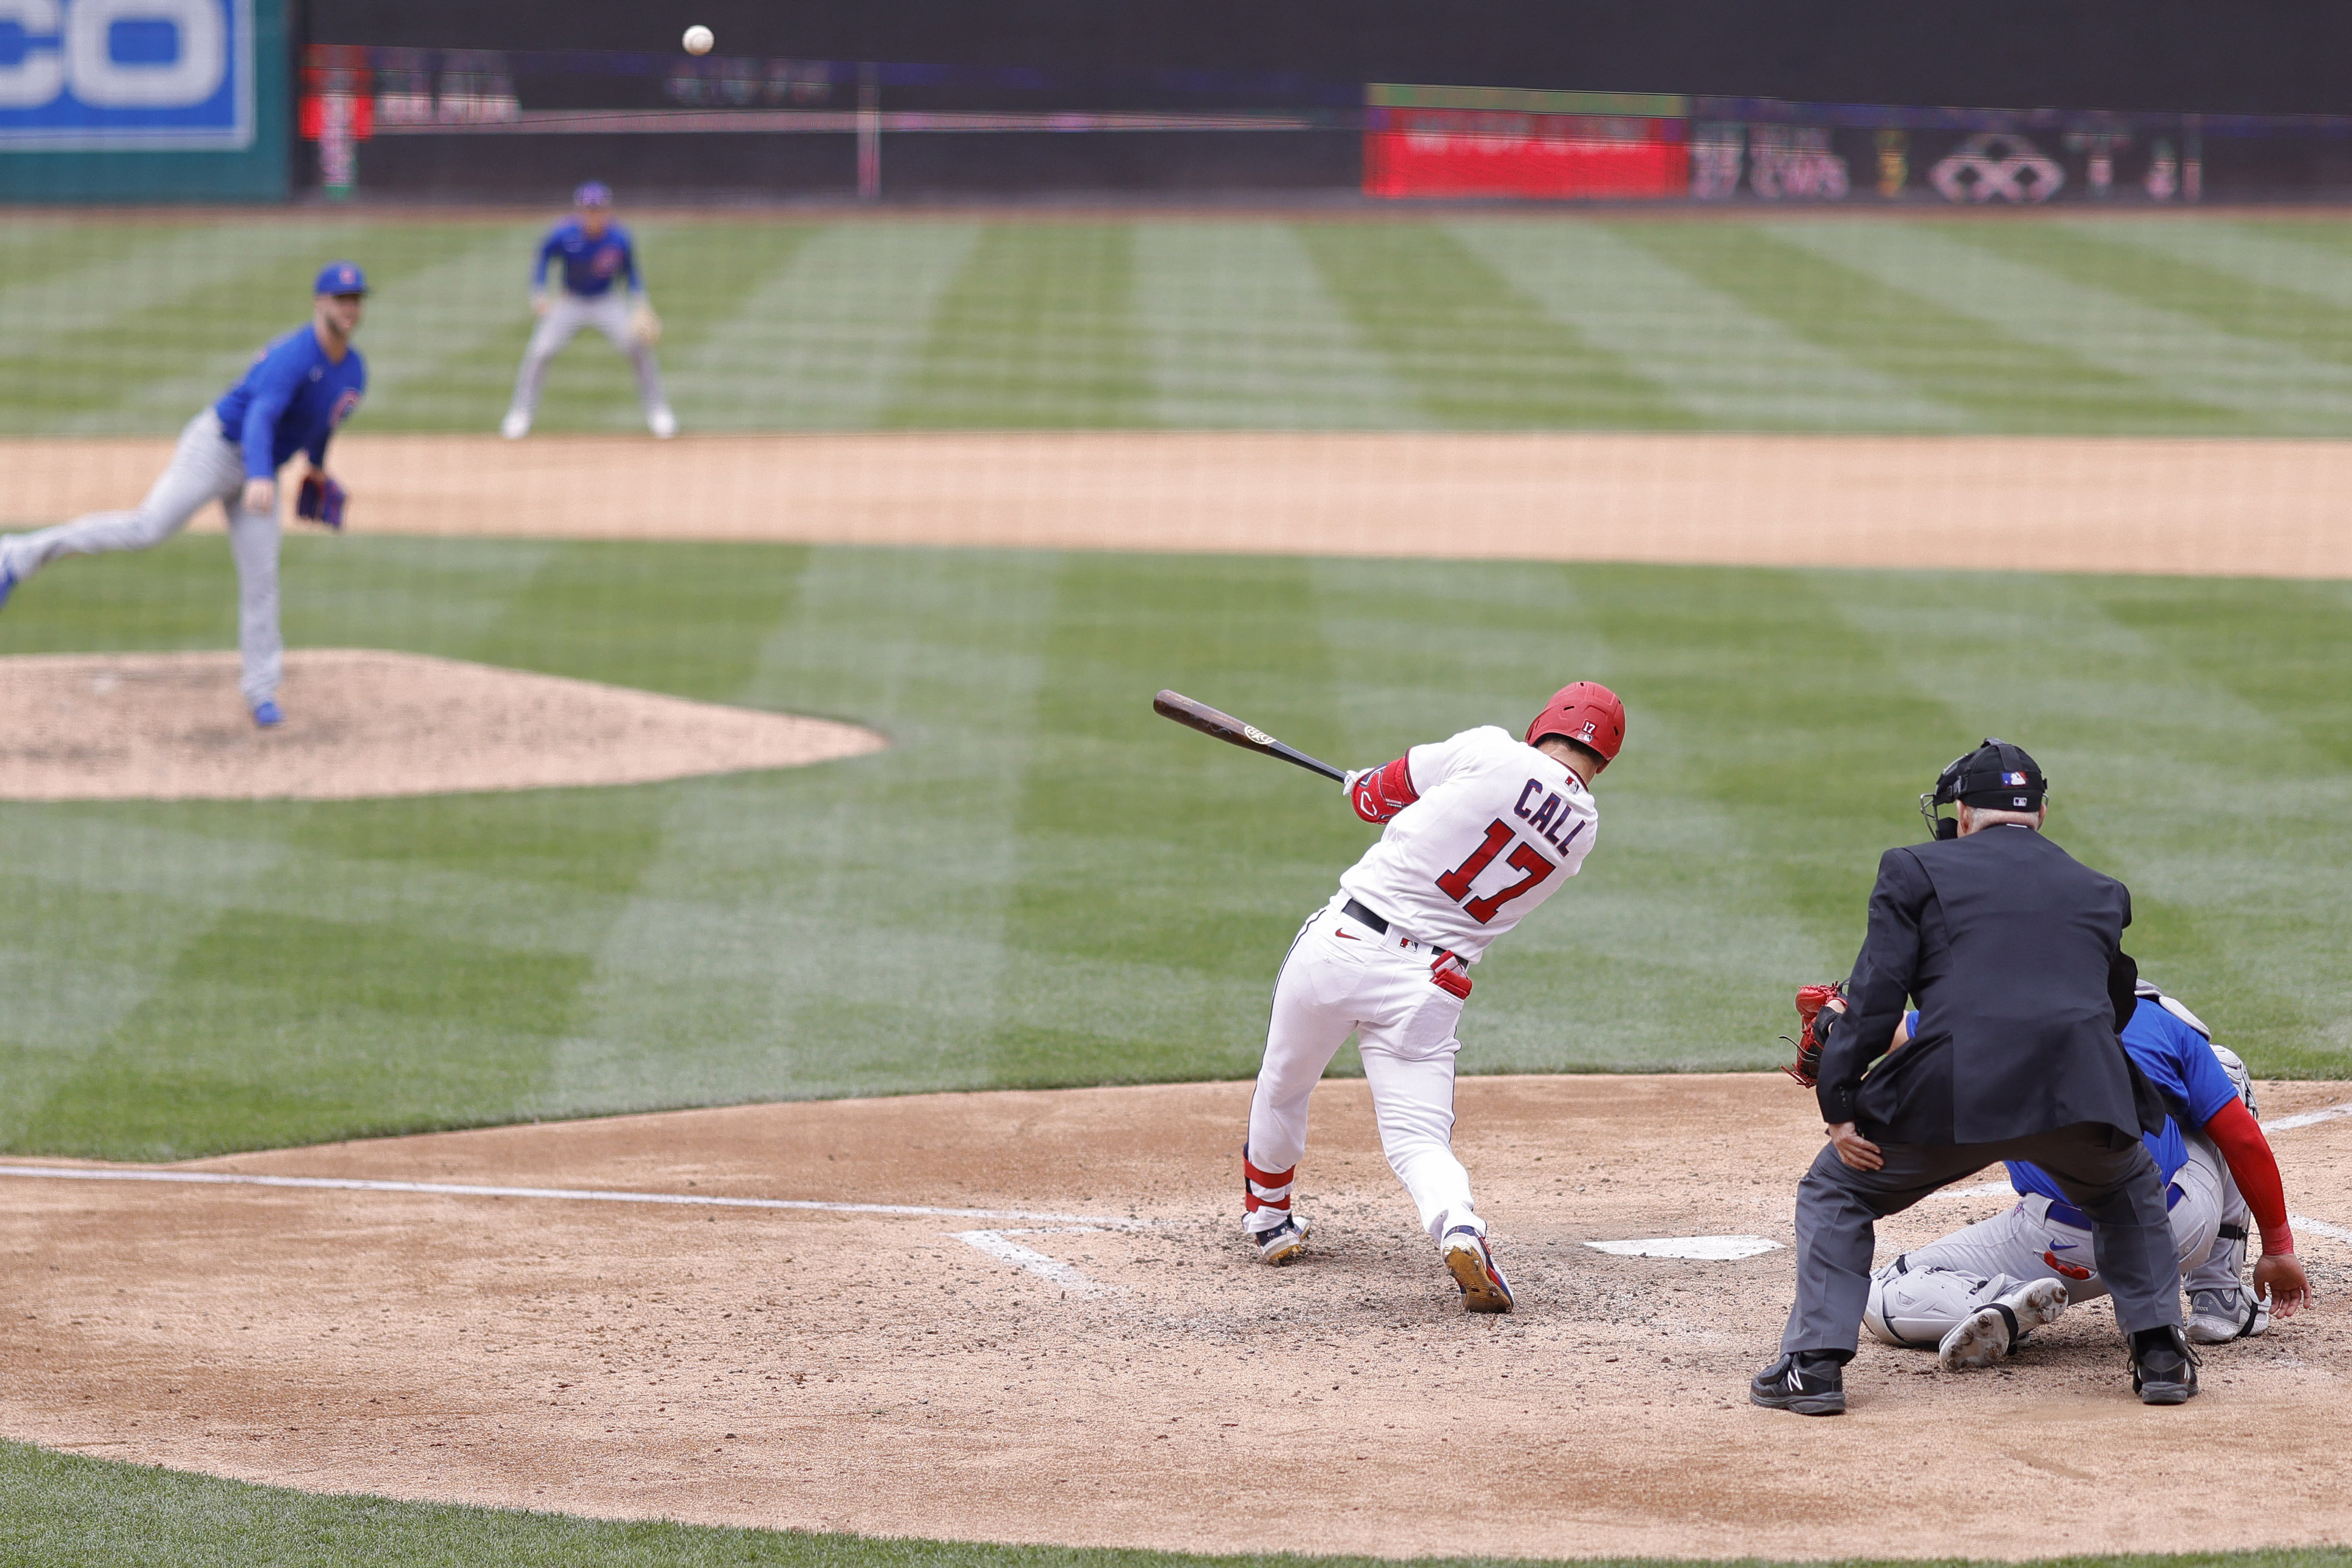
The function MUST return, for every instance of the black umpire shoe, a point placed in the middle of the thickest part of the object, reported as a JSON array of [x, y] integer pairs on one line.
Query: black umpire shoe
[[2164, 1369], [1808, 1383]]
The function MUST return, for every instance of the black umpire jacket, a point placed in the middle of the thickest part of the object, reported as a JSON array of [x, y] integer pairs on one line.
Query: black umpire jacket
[[2014, 950]]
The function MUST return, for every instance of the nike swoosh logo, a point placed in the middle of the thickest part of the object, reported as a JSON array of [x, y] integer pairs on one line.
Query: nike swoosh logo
[[1346, 936], [2064, 1245]]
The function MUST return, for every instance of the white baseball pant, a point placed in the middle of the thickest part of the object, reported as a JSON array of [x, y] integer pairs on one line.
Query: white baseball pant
[[1935, 1286], [1342, 976], [568, 312], [206, 466]]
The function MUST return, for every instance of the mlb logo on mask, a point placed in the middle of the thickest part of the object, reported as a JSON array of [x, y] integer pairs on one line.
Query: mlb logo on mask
[[159, 74]]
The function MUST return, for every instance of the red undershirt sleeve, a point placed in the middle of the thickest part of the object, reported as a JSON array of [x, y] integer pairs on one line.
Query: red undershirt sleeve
[[2239, 1137]]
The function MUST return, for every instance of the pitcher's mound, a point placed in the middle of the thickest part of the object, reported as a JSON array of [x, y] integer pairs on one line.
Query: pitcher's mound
[[360, 722]]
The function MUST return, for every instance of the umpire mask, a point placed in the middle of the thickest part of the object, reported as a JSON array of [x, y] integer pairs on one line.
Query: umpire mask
[[1996, 777]]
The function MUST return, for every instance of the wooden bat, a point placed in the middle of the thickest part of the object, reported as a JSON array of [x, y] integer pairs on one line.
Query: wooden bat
[[1225, 727]]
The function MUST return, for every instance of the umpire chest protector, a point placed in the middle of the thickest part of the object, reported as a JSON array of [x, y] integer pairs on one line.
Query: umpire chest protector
[[2012, 949]]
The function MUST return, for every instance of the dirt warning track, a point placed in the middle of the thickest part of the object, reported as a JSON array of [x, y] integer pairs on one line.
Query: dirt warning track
[[1024, 1317]]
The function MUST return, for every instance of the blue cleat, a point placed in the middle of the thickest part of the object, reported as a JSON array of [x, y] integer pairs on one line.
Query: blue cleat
[[266, 713]]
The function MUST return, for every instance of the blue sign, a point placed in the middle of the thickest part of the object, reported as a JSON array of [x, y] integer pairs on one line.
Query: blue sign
[[130, 74]]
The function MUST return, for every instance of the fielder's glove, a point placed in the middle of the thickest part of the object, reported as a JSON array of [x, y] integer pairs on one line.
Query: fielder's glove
[[644, 327], [320, 499], [1810, 999]]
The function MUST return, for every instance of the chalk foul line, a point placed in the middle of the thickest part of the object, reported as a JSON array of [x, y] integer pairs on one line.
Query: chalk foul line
[[2308, 1117], [572, 1194], [996, 1243]]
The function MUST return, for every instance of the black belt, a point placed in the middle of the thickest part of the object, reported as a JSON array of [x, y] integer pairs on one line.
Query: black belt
[[2062, 1213], [1356, 911]]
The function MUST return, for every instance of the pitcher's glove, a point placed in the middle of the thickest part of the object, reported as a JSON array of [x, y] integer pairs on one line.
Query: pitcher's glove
[[320, 499], [1810, 999], [644, 327]]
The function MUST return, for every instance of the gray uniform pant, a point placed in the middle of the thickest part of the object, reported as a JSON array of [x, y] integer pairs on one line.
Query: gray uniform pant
[[206, 467], [568, 312], [2105, 1172]]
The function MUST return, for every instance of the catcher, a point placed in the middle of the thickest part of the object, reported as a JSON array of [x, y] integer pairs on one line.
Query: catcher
[[1975, 1295], [2015, 952], [600, 288]]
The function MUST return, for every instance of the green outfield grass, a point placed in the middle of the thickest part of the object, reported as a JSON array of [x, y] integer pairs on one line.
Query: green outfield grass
[[2159, 323], [1042, 883], [63, 1512]]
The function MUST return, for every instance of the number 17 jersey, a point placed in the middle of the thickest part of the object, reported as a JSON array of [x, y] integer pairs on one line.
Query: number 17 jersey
[[1495, 828]]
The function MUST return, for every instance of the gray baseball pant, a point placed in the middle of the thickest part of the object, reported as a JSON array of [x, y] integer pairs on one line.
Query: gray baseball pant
[[2103, 1170], [206, 467], [566, 315]]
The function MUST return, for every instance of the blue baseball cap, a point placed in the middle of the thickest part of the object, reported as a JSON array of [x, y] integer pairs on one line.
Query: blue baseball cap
[[341, 278], [594, 193]]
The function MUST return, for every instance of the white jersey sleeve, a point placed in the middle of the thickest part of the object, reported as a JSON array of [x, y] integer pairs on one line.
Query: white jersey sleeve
[[1496, 829]]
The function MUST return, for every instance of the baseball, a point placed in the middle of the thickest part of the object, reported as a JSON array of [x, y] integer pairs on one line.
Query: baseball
[[698, 39]]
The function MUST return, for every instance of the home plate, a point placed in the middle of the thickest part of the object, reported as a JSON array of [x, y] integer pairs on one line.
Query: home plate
[[1717, 1248]]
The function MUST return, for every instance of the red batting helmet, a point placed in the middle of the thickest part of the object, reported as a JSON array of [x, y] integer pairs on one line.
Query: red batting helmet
[[1586, 713]]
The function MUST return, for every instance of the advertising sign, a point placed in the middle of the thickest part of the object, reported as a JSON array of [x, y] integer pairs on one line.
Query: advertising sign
[[1469, 152], [89, 74]]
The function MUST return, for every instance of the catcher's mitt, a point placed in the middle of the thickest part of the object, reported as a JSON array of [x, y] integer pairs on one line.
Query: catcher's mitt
[[320, 499], [644, 327], [1810, 999]]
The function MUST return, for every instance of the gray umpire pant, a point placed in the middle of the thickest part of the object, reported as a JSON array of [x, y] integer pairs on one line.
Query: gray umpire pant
[[206, 467], [2105, 1172]]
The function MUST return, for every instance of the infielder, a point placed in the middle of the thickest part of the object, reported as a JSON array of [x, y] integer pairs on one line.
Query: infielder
[[296, 392], [1479, 830], [1976, 1294], [595, 255]]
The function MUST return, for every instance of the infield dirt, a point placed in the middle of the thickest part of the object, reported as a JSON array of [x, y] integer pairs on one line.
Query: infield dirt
[[2201, 505], [904, 1373]]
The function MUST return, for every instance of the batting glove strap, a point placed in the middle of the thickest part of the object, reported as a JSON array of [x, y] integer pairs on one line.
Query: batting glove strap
[[1379, 794]]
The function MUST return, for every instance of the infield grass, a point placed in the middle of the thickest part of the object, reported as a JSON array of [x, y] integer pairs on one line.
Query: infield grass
[[1041, 883], [2166, 323], [61, 1510]]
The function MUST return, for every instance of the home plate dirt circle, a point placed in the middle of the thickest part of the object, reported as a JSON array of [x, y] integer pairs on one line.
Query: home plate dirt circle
[[364, 722], [1026, 1317]]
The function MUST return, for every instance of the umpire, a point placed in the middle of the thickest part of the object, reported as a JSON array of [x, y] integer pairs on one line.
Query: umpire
[[2013, 950]]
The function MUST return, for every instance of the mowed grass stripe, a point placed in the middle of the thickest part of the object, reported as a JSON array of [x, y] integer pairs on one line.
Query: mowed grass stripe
[[1161, 875], [838, 930], [1242, 335], [2099, 257], [1038, 332], [356, 1004], [821, 342], [1730, 365], [2295, 258], [1957, 265], [2004, 382], [1477, 352]]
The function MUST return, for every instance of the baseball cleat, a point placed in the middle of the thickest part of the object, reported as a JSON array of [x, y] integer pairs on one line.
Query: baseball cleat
[[1809, 1385], [267, 714], [2217, 1317], [2035, 1305], [1280, 1245], [1979, 1340], [2164, 1369], [515, 425], [662, 423], [1472, 1262]]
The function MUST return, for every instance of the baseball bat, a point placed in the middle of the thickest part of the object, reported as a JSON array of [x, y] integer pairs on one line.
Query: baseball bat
[[1233, 731]]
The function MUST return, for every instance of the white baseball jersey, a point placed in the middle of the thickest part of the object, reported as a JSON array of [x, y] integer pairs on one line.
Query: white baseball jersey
[[1495, 828]]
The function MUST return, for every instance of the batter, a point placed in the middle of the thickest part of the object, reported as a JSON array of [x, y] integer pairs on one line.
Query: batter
[[599, 268], [1478, 831], [296, 394], [1977, 1293]]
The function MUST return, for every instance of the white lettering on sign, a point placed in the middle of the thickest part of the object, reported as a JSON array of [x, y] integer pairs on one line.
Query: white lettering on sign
[[69, 47]]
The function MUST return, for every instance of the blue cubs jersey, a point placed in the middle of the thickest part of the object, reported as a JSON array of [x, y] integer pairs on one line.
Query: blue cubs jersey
[[2181, 1063], [292, 399], [590, 265]]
